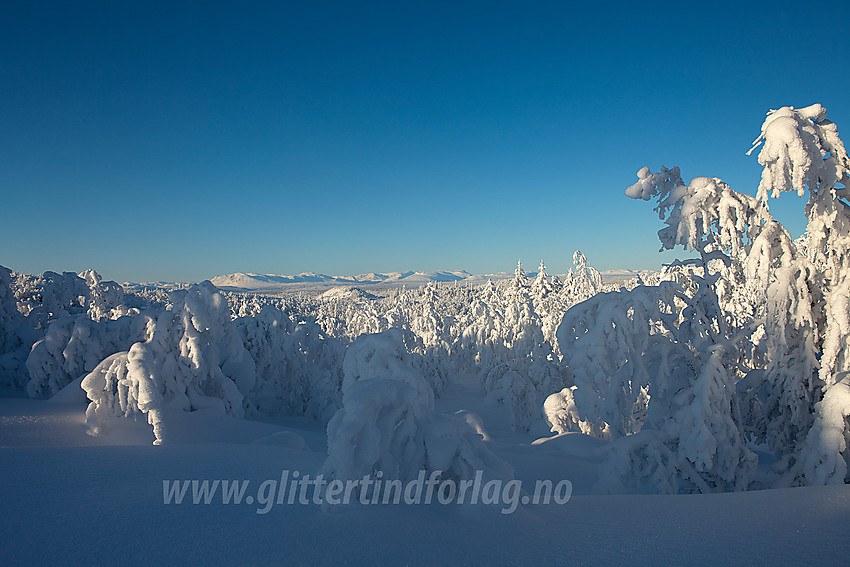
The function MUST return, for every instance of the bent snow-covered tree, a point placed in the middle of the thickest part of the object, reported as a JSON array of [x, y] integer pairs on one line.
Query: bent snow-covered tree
[[796, 404], [193, 359], [74, 346]]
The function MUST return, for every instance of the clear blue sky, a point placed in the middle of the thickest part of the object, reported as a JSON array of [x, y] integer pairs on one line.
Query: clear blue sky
[[182, 140]]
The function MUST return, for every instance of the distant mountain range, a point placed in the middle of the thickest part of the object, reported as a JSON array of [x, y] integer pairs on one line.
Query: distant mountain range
[[267, 282], [246, 281]]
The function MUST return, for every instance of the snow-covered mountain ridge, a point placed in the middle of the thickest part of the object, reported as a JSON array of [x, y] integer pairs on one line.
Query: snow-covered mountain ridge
[[253, 281], [269, 281]]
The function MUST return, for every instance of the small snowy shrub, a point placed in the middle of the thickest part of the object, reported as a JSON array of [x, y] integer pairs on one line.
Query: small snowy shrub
[[563, 417]]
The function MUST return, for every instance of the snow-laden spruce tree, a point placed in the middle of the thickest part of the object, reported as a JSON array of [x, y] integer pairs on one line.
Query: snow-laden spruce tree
[[105, 298], [298, 366], [583, 280], [603, 341], [429, 325], [796, 404], [481, 340], [654, 367], [541, 288], [16, 335], [74, 346], [549, 304], [650, 375], [50, 296], [802, 152], [193, 359], [519, 284], [387, 422], [524, 368]]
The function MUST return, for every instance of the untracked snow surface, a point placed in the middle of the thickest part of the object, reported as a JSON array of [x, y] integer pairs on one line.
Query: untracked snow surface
[[69, 498]]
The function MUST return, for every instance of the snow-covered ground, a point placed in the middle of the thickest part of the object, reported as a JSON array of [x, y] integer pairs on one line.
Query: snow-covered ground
[[70, 498]]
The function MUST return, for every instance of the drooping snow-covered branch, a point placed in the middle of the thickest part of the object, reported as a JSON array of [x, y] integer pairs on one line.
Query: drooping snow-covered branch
[[706, 215]]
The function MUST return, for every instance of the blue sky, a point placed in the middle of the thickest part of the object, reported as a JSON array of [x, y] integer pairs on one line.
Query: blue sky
[[179, 141]]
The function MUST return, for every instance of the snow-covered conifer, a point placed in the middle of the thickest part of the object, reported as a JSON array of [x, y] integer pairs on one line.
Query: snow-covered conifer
[[387, 422], [298, 366], [193, 359], [16, 335], [74, 346], [802, 151], [583, 280]]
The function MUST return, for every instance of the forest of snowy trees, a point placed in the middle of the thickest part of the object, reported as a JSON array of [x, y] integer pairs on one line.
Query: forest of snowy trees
[[687, 375]]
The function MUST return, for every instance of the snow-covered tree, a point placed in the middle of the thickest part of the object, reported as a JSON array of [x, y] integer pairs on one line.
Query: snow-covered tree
[[802, 286], [298, 366], [653, 370], [542, 286], [193, 359], [429, 325], [650, 375], [105, 298], [583, 280], [52, 296], [519, 284], [481, 340], [16, 335], [74, 346], [387, 422], [802, 152]]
